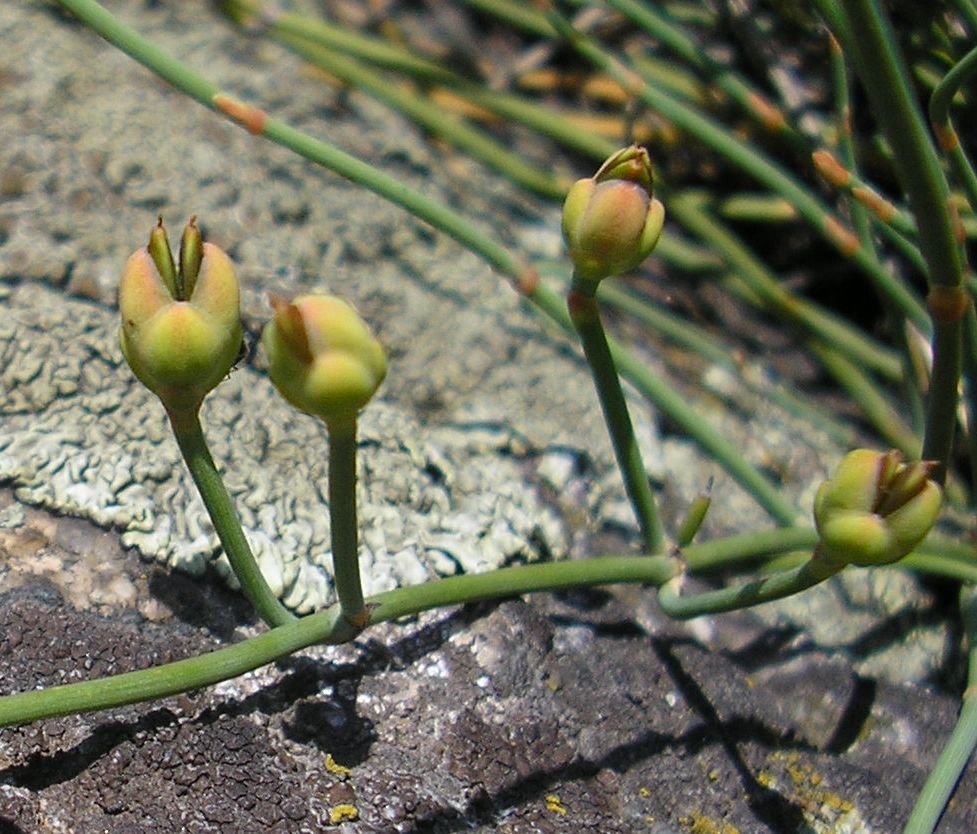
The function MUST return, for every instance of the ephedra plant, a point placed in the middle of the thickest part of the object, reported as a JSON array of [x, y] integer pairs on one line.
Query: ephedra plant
[[181, 327]]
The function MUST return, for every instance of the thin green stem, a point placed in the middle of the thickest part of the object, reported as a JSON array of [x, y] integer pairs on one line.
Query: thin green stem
[[327, 626], [877, 410], [682, 332], [911, 387], [970, 393], [748, 98], [688, 209], [747, 548], [834, 19], [937, 556], [672, 405], [376, 51], [942, 780], [450, 223], [939, 113], [585, 316], [914, 157], [751, 160], [344, 164], [736, 597], [343, 526], [193, 446], [430, 116], [846, 179]]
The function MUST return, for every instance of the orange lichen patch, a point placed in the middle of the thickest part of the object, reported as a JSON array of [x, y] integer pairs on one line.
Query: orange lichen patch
[[831, 169], [947, 304], [842, 237], [875, 202], [251, 118], [769, 115]]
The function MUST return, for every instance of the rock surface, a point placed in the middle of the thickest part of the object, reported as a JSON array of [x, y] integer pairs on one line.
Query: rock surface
[[586, 712]]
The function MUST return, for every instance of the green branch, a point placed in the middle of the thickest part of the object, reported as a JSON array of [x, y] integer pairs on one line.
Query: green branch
[[220, 508]]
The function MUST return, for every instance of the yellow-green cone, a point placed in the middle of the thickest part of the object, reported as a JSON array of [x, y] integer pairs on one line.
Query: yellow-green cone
[[612, 221], [180, 333], [323, 358], [875, 508]]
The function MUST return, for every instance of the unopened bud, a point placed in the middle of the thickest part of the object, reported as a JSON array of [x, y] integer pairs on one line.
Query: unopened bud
[[323, 358], [611, 221], [179, 336], [875, 508]]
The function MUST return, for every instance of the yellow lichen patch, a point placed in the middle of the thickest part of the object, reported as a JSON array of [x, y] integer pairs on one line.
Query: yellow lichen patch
[[697, 823], [825, 811], [344, 812], [336, 769], [644, 793], [555, 806]]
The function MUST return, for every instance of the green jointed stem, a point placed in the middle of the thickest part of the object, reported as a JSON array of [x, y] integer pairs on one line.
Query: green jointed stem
[[751, 160], [430, 116], [841, 84], [735, 597], [452, 224], [883, 210], [670, 402], [688, 209], [682, 332], [968, 8], [326, 626], [881, 414], [748, 98], [747, 548], [343, 527], [969, 362], [939, 112], [329, 626], [936, 793], [193, 446], [344, 164], [585, 316], [376, 51], [890, 93]]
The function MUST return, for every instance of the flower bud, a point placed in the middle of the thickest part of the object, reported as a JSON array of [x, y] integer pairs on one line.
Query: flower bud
[[611, 221], [875, 509], [181, 327], [323, 358]]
